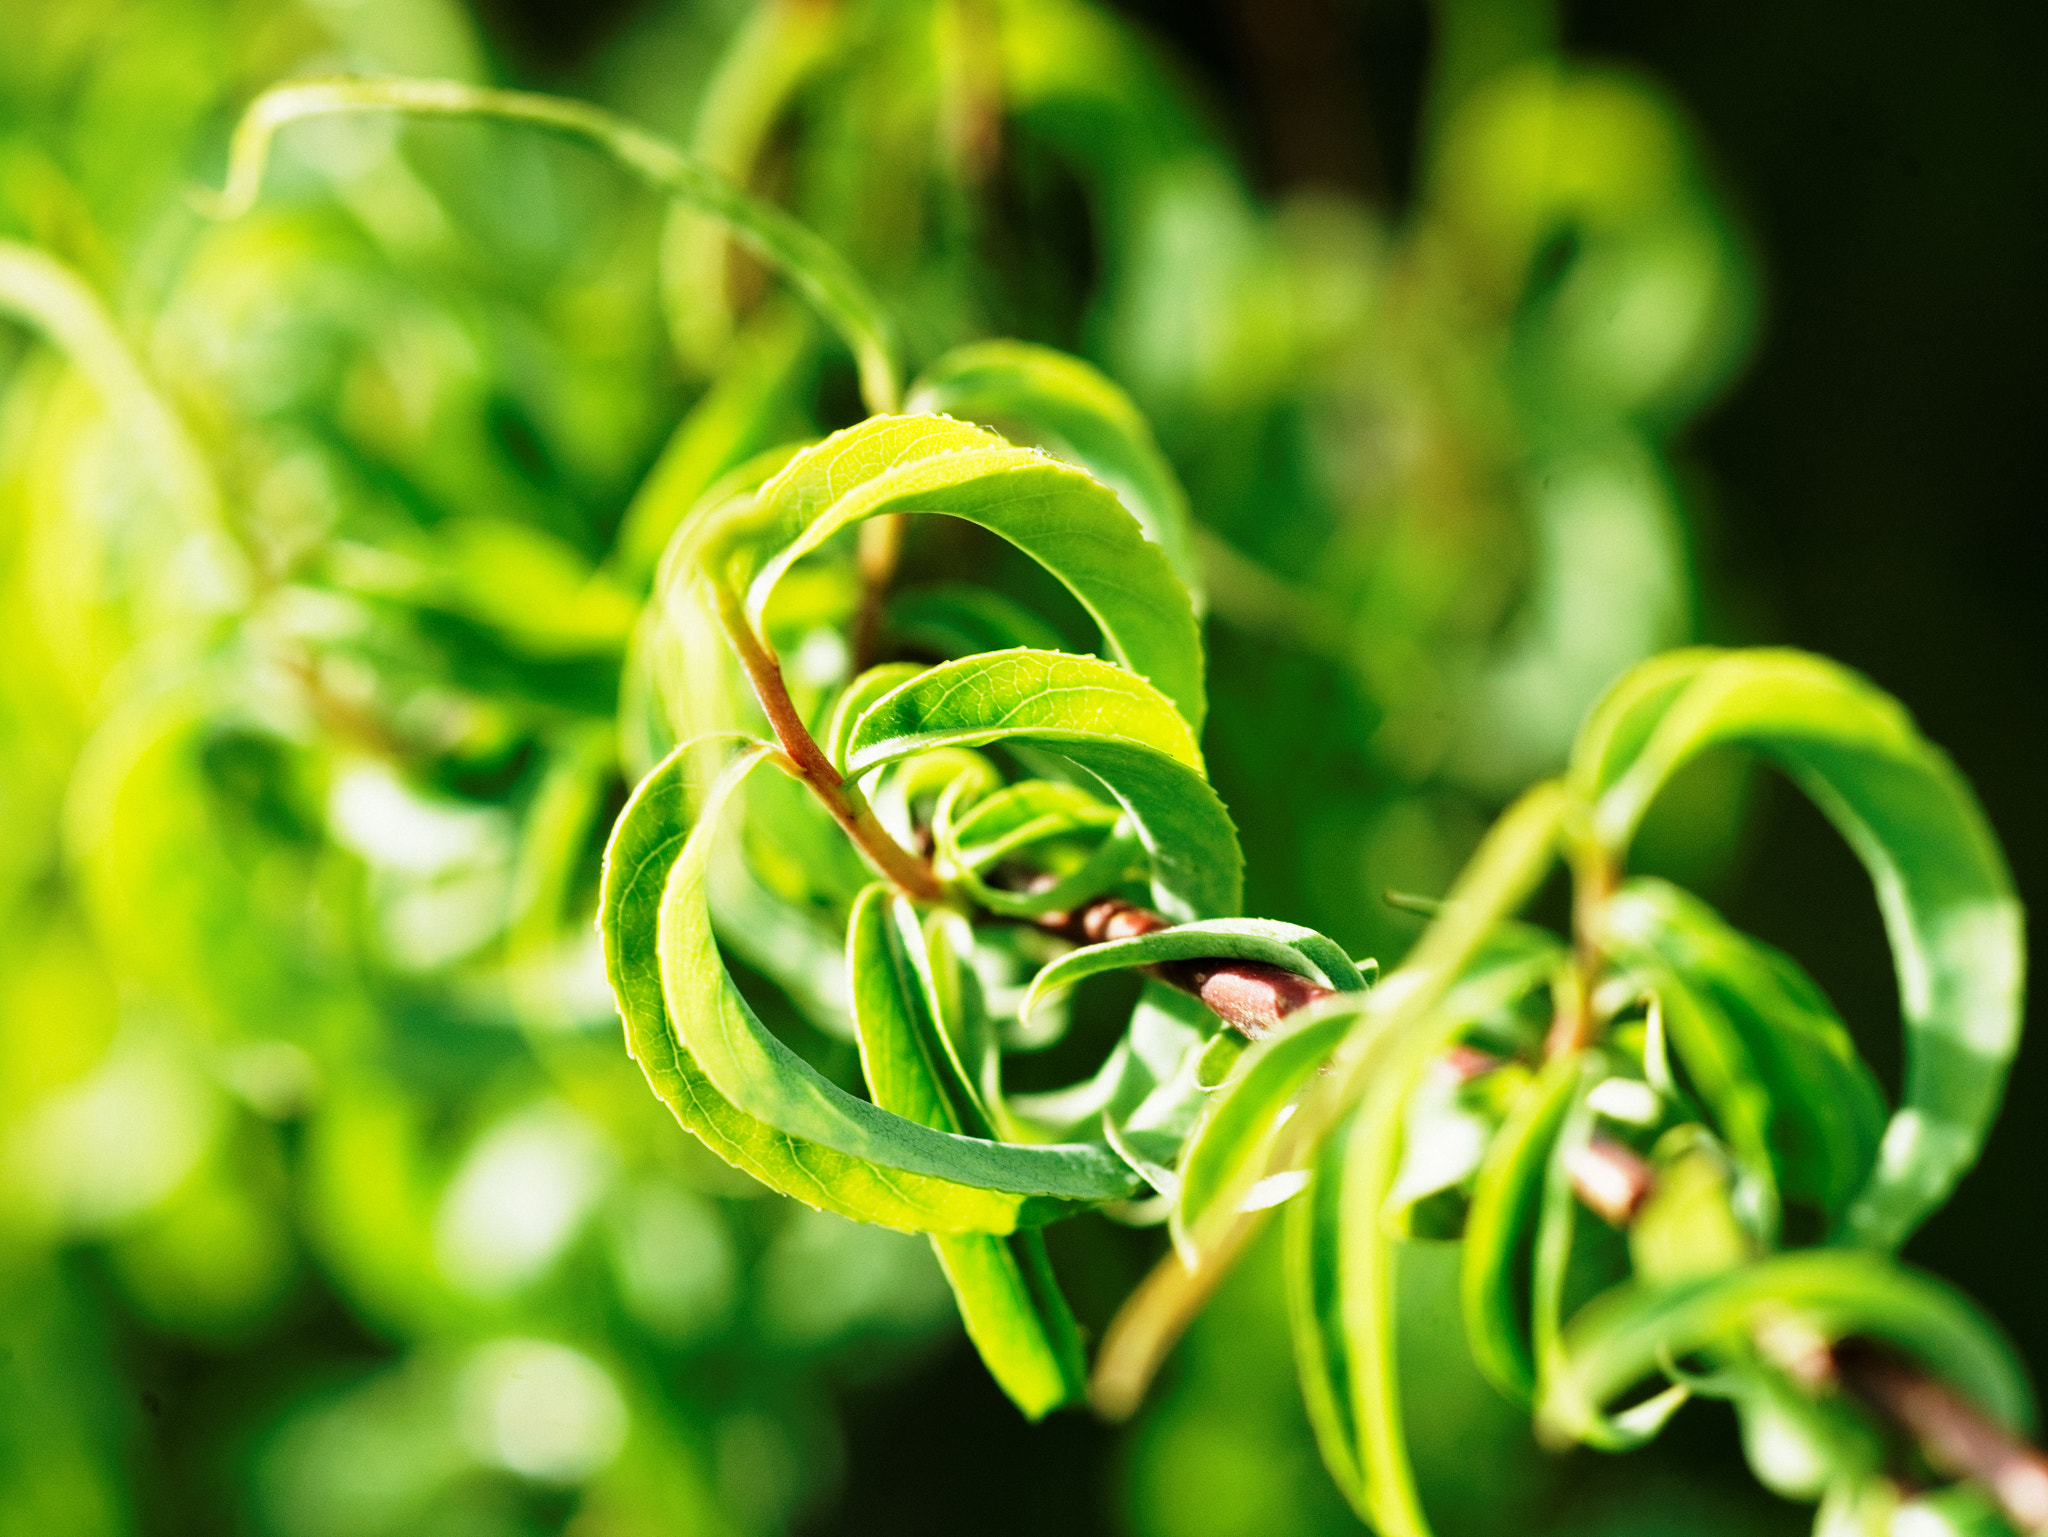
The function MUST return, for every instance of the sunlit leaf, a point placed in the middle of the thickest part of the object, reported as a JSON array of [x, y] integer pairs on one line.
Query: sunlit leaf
[[1008, 1298], [1622, 1338], [1505, 1197], [1110, 723], [1076, 412], [751, 1099], [1285, 945], [1315, 1312], [1227, 1157], [1794, 1086], [1942, 883], [1062, 517]]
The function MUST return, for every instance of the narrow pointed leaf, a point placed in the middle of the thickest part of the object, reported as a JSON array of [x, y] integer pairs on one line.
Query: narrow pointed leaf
[[747, 1095], [1008, 1299], [1017, 1317], [1076, 412], [1414, 1014], [1822, 1111], [1942, 885], [1285, 945], [1110, 723], [1623, 1336], [1062, 517], [1315, 1312], [1228, 1155], [1505, 1198]]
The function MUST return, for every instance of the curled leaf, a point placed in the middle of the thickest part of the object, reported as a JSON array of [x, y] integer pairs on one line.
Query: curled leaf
[[750, 1098], [1062, 517], [1114, 725], [1942, 885], [1078, 413]]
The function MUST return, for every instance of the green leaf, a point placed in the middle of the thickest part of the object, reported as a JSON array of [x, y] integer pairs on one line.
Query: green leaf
[[1412, 1016], [1112, 724], [1075, 411], [1019, 815], [1054, 818], [911, 1064], [1009, 1301], [1164, 1040], [1556, 1231], [1793, 1088], [1288, 946], [1624, 1336], [1063, 518], [817, 271], [752, 1100], [1114, 860], [1229, 1154], [1014, 1312], [1315, 1313], [854, 700], [1506, 1196], [1942, 884]]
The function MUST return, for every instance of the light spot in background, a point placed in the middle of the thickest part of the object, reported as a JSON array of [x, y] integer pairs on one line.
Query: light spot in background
[[519, 1198], [564, 986], [676, 1270], [372, 812], [376, 1458], [435, 923], [117, 1141], [822, 658], [825, 1277], [540, 1410], [274, 1078]]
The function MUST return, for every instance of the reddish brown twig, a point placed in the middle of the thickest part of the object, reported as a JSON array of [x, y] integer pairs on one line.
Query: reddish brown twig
[[806, 759], [1249, 996], [1610, 1178], [1958, 1438]]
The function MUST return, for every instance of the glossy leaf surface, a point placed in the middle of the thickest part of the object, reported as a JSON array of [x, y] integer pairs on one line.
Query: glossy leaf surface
[[1062, 517], [1110, 723], [1942, 884], [1285, 945], [1622, 1337], [1003, 1283], [1820, 1112], [1077, 412], [747, 1095]]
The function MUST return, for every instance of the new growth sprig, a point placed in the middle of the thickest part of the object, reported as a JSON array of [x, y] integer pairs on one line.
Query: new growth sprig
[[986, 814], [1685, 1083]]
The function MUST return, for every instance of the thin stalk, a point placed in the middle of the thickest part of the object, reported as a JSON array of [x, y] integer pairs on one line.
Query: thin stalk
[[806, 760], [1956, 1436], [1250, 997], [819, 272]]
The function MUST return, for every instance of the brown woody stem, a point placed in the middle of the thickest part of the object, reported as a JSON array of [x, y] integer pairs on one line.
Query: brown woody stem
[[849, 808], [1250, 997], [1958, 1439]]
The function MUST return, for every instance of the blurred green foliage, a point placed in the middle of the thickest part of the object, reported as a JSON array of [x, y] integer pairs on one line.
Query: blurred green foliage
[[330, 1204]]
